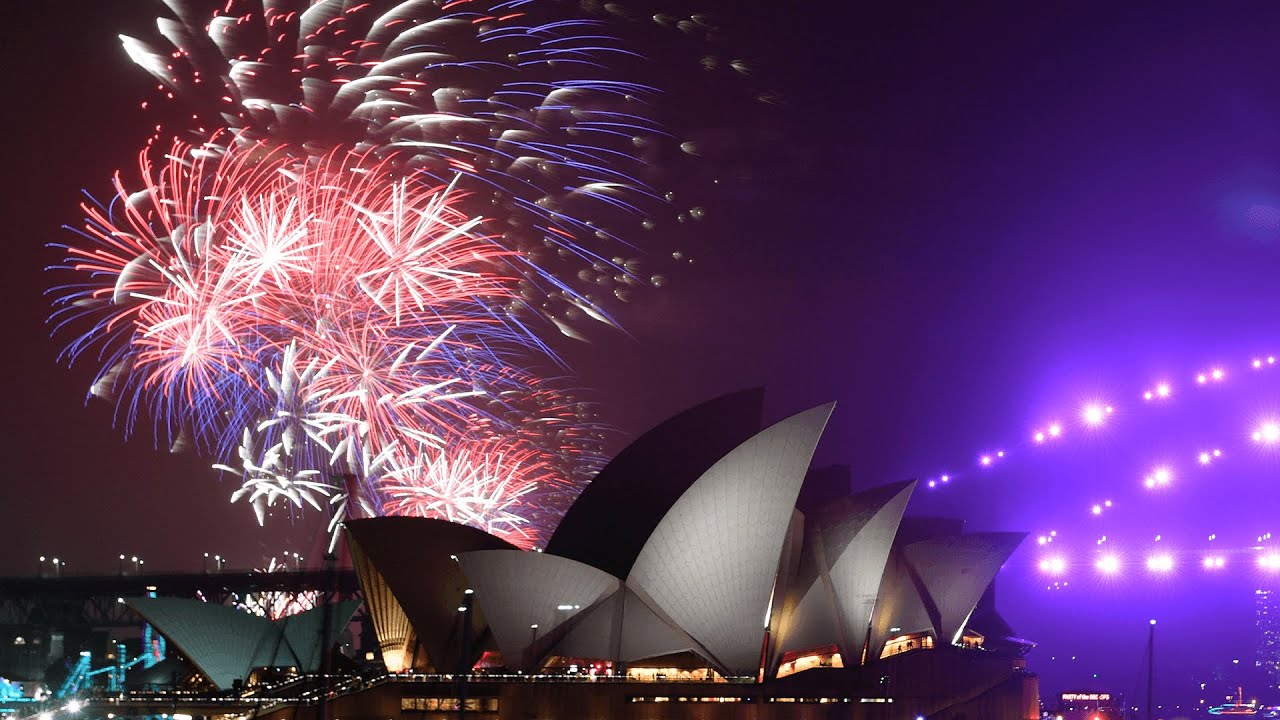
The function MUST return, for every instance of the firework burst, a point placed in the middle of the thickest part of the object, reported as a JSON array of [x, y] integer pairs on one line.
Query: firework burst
[[535, 103], [340, 276], [484, 485], [199, 282], [296, 313]]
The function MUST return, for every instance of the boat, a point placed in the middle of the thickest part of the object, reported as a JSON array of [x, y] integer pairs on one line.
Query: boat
[[1237, 708]]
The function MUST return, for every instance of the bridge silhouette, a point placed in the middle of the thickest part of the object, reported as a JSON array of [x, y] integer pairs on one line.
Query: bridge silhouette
[[95, 601]]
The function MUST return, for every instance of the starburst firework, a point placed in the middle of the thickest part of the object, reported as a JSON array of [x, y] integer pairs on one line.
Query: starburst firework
[[339, 278]]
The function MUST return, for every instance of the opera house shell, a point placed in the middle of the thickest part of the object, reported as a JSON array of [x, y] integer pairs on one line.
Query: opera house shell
[[226, 644], [687, 574]]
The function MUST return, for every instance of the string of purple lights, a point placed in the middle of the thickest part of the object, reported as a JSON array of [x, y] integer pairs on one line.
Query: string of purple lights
[[1054, 557]]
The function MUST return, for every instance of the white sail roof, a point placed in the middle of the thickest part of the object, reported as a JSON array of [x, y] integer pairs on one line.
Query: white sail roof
[[955, 570], [528, 598], [710, 564], [849, 545]]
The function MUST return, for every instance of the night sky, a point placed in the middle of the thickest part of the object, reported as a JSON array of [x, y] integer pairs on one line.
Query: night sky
[[958, 223]]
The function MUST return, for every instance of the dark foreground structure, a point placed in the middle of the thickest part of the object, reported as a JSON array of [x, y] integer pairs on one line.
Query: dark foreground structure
[[932, 685], [699, 576]]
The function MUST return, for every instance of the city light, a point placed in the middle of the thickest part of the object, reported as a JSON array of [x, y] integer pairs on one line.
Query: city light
[[1159, 477], [1163, 390], [1214, 562], [1217, 374], [1095, 414], [1096, 509], [1270, 561], [985, 461], [1053, 565], [1054, 430], [1160, 563], [1268, 433], [1109, 564], [1204, 458]]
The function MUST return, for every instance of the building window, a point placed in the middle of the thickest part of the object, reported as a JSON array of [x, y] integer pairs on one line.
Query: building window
[[907, 643], [448, 704], [972, 640], [688, 699], [672, 674], [820, 657]]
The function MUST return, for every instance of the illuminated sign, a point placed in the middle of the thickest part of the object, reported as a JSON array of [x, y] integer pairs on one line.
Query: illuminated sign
[[1086, 697]]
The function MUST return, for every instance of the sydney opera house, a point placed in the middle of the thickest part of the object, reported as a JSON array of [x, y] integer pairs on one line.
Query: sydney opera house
[[706, 573]]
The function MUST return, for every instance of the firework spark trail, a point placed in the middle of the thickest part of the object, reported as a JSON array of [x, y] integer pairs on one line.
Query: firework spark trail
[[483, 486], [296, 314], [531, 101], [277, 604], [184, 278], [342, 280]]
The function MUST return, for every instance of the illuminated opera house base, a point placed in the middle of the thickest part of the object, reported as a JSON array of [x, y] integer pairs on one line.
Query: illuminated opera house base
[[949, 683]]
